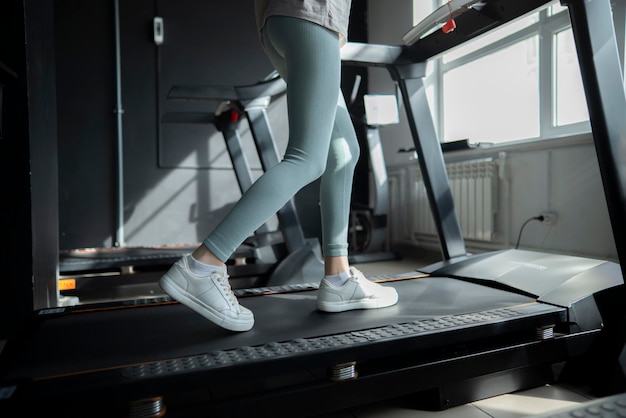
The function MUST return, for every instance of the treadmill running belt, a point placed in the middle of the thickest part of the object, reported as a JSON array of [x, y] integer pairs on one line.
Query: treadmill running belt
[[108, 339]]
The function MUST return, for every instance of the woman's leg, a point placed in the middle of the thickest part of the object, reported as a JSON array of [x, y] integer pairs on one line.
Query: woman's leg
[[307, 56], [336, 191]]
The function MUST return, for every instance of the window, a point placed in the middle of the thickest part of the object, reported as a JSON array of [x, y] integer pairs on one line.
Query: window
[[480, 103], [521, 81], [569, 104]]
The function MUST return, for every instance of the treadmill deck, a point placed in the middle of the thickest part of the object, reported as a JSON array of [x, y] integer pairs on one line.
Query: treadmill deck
[[118, 354], [286, 324]]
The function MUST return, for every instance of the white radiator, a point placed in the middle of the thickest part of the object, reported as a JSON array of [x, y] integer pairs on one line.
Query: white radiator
[[474, 190]]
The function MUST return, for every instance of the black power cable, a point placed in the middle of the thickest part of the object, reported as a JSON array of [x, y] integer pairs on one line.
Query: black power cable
[[539, 218]]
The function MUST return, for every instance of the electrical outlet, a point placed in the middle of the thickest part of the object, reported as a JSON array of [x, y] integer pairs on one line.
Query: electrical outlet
[[549, 218]]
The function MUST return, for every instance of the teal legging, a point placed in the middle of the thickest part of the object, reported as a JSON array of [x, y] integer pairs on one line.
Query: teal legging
[[322, 141]]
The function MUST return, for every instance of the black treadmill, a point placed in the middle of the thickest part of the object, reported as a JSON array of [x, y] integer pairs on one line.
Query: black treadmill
[[465, 328]]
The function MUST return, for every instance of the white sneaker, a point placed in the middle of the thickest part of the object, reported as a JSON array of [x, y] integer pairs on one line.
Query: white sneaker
[[357, 293], [210, 296]]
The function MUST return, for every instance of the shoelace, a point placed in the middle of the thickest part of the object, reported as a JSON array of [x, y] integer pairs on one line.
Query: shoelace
[[223, 281]]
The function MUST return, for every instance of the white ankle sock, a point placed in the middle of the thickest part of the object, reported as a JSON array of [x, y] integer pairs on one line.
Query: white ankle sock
[[201, 269], [338, 279]]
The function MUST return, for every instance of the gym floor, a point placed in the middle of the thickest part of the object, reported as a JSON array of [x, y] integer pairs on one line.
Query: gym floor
[[528, 403]]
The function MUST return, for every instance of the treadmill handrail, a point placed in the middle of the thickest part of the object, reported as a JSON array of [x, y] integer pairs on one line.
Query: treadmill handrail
[[373, 55], [473, 22], [438, 17], [353, 53], [272, 87]]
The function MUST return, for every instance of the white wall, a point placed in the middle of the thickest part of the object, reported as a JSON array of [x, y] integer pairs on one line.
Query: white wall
[[560, 176]]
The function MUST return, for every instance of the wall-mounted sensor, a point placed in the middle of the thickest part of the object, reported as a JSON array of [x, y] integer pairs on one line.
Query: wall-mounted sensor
[[158, 30]]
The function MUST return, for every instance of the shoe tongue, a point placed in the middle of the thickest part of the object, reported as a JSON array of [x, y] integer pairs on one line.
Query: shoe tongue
[[355, 273]]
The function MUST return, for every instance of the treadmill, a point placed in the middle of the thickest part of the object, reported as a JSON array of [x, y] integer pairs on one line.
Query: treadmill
[[465, 328]]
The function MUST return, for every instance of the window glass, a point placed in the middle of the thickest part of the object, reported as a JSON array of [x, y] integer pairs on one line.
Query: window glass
[[421, 9], [488, 89], [494, 98], [490, 37], [569, 99]]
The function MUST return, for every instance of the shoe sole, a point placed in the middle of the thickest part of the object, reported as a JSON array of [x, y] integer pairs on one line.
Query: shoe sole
[[199, 307], [358, 304]]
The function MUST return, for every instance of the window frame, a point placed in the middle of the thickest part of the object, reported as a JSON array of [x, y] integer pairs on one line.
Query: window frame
[[546, 28]]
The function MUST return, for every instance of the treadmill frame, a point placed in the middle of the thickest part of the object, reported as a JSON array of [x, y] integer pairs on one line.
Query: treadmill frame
[[605, 95]]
